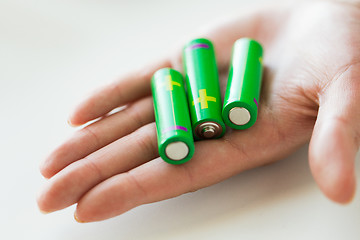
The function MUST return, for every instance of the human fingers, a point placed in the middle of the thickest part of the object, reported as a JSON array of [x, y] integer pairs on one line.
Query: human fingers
[[150, 182], [98, 135], [213, 161], [67, 187], [128, 89], [336, 137]]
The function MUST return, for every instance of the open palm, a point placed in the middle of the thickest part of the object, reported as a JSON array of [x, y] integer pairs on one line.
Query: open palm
[[311, 87]]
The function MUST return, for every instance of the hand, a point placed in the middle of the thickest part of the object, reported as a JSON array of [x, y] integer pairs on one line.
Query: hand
[[311, 90]]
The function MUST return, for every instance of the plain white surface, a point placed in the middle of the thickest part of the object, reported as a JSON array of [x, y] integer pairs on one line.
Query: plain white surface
[[54, 52]]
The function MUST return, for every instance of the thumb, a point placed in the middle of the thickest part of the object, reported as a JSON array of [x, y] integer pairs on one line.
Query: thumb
[[336, 137]]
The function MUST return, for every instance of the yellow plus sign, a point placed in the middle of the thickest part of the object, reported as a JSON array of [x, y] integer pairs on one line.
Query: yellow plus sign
[[170, 83], [203, 99]]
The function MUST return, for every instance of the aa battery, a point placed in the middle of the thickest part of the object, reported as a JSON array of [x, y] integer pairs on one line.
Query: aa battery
[[242, 94], [173, 126], [203, 89]]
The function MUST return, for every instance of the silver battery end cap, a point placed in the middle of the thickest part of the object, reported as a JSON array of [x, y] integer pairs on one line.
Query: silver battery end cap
[[208, 130], [239, 115], [177, 151]]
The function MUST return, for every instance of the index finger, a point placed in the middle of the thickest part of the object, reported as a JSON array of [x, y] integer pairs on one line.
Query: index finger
[[129, 88]]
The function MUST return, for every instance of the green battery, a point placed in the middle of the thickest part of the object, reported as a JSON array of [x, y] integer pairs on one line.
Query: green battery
[[242, 94], [203, 89], [173, 125]]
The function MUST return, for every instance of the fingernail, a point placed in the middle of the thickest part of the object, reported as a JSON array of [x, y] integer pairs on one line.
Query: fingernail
[[77, 219], [42, 169], [44, 212], [70, 123]]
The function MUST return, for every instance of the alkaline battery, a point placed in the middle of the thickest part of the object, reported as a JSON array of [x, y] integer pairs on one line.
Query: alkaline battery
[[173, 125], [203, 89], [243, 88]]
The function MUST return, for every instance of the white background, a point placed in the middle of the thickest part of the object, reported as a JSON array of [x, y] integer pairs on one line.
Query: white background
[[52, 53]]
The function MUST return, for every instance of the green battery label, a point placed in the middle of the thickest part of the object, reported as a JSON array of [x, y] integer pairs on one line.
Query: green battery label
[[203, 89], [173, 126], [243, 88]]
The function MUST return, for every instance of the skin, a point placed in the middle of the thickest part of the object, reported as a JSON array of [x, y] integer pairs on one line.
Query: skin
[[311, 87]]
